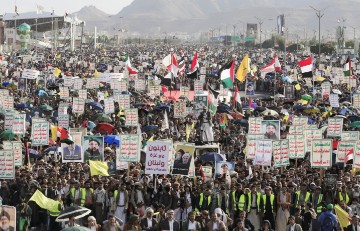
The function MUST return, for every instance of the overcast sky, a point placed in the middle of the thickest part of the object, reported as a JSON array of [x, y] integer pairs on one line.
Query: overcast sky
[[60, 6]]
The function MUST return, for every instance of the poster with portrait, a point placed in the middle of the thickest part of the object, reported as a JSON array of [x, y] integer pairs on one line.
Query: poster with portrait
[[8, 218], [317, 93], [224, 167], [289, 92], [263, 152], [73, 152], [184, 153], [270, 129], [321, 153], [93, 148], [249, 90], [22, 84]]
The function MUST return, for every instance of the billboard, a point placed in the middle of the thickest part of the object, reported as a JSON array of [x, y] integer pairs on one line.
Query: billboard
[[251, 30]]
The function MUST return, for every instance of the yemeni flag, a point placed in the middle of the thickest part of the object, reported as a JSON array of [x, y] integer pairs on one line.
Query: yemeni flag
[[349, 156], [132, 70], [166, 80], [195, 62], [227, 74], [306, 67], [273, 66], [347, 67]]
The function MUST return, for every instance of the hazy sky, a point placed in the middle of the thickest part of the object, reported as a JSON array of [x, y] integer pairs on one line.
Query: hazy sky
[[60, 6]]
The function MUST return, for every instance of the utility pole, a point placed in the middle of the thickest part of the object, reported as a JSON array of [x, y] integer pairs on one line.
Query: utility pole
[[319, 15]]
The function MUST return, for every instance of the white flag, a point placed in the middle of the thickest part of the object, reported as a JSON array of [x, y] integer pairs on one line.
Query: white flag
[[39, 9]]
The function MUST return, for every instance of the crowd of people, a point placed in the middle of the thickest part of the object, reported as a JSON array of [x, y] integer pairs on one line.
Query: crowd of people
[[289, 198]]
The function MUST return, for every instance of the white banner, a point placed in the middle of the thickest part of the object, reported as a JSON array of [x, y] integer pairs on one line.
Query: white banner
[[263, 152]]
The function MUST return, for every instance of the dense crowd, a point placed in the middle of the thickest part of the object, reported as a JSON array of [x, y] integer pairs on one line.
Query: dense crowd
[[291, 198]]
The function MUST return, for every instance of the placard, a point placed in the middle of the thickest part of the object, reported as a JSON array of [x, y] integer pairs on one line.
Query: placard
[[296, 130], [124, 101], [68, 81], [184, 91], [334, 100], [296, 146], [202, 70], [9, 119], [18, 126], [123, 85], [344, 148], [180, 109], [251, 143], [30, 74], [326, 88], [281, 153], [82, 93], [300, 121], [109, 106], [198, 87], [7, 165], [255, 125], [157, 157], [154, 91], [92, 83], [78, 84], [140, 85], [335, 126], [350, 136], [78, 105], [63, 108], [40, 133], [132, 117], [207, 173], [356, 100], [310, 135], [263, 152], [8, 102], [321, 153], [63, 121], [357, 156], [129, 148], [201, 101], [64, 92]]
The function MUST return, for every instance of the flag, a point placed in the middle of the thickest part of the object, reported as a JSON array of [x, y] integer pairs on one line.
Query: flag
[[195, 63], [131, 69], [63, 134], [166, 80], [165, 122], [227, 75], [39, 9], [46, 203], [243, 69], [342, 216], [215, 93], [98, 168], [16, 11], [96, 73], [347, 67], [349, 156], [181, 66], [192, 75], [57, 72], [171, 64], [237, 98], [298, 87], [212, 102], [202, 173], [188, 130], [54, 130], [221, 122], [306, 67], [250, 102], [273, 66]]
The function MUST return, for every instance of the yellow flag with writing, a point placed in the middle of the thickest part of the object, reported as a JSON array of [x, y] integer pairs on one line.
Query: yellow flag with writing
[[243, 69], [44, 202], [96, 73], [57, 72], [98, 168], [54, 132], [342, 216]]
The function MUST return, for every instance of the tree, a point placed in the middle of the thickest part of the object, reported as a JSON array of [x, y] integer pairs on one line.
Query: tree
[[269, 43], [326, 48]]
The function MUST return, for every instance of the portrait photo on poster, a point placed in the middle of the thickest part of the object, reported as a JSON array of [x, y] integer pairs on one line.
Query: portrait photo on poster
[[250, 88], [8, 218], [271, 129], [224, 167], [183, 156], [93, 148], [72, 152]]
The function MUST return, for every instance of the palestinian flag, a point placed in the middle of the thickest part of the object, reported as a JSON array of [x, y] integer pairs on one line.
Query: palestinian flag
[[227, 74], [212, 91], [132, 70], [306, 67], [212, 101], [347, 67]]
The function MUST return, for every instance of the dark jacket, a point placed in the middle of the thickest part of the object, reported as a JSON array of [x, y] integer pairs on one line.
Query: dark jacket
[[144, 224], [164, 225]]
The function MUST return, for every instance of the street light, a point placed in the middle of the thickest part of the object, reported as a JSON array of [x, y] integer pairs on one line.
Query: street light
[[261, 21], [319, 15]]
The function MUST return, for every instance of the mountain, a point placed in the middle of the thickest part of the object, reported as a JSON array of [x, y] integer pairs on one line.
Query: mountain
[[93, 17], [193, 16]]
